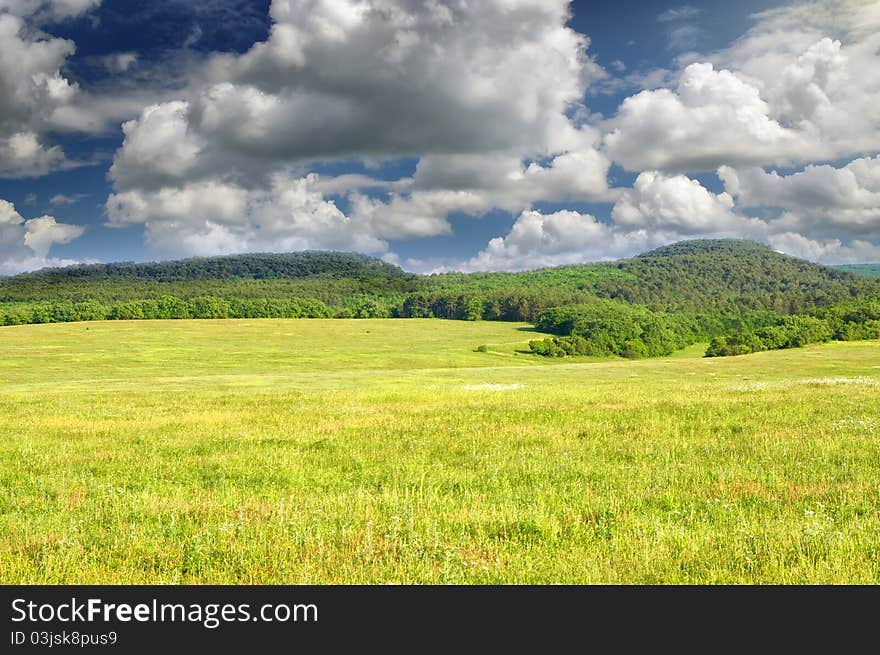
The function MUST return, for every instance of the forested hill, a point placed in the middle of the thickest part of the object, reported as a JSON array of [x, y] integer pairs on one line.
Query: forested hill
[[735, 247], [733, 275], [695, 276], [865, 270], [257, 266], [330, 277]]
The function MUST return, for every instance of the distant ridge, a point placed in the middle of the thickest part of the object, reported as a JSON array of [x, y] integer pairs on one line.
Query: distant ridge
[[693, 276], [253, 266], [705, 246], [865, 270], [339, 265]]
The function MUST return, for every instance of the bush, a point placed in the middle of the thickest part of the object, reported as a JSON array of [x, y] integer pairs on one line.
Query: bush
[[573, 346], [209, 307], [90, 310], [635, 349], [789, 332], [609, 327]]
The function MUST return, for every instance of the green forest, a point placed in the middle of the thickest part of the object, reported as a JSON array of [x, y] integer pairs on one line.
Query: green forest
[[738, 296], [867, 270]]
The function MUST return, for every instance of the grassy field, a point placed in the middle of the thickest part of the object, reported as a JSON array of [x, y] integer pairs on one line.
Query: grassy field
[[389, 451]]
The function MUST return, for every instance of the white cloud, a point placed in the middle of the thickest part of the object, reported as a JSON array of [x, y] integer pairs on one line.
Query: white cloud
[[349, 182], [33, 88], [712, 118], [487, 96], [119, 62], [22, 155], [802, 85], [828, 251], [481, 93], [48, 10], [25, 244], [679, 204], [828, 91], [684, 12], [41, 233], [537, 240], [102, 112], [64, 199], [477, 183], [159, 148], [210, 218], [823, 214], [823, 200], [781, 35], [577, 174], [659, 209], [381, 78], [37, 98]]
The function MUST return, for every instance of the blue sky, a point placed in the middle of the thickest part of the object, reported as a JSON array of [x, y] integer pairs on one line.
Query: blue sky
[[437, 135]]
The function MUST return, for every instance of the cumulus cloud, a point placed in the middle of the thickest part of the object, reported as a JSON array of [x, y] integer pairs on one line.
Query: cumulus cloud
[[482, 93], [37, 99], [507, 182], [25, 244], [474, 184], [801, 85], [712, 118], [679, 204], [159, 149], [41, 233], [31, 88], [538, 240], [211, 218], [822, 213], [396, 77], [22, 155], [487, 98], [658, 209], [827, 251], [48, 10], [383, 78], [820, 199]]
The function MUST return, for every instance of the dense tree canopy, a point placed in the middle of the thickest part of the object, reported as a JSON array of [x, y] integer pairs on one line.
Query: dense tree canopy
[[644, 306], [865, 270]]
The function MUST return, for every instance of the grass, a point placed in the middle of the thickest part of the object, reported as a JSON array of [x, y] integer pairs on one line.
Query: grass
[[390, 451]]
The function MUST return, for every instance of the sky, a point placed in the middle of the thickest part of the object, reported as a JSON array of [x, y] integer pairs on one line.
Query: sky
[[436, 134]]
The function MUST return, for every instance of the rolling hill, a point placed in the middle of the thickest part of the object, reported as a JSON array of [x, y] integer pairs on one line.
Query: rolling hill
[[703, 275], [865, 270]]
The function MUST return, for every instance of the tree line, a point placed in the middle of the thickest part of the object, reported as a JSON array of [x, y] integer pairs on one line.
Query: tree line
[[853, 321], [166, 307], [644, 306]]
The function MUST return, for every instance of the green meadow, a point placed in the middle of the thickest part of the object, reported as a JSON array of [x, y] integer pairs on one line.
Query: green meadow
[[392, 451]]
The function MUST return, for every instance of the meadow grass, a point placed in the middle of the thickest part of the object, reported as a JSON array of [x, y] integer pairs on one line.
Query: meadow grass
[[380, 451]]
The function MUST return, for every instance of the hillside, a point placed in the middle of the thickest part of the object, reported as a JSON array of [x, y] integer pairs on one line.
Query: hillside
[[326, 276], [733, 275], [864, 270], [693, 276]]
